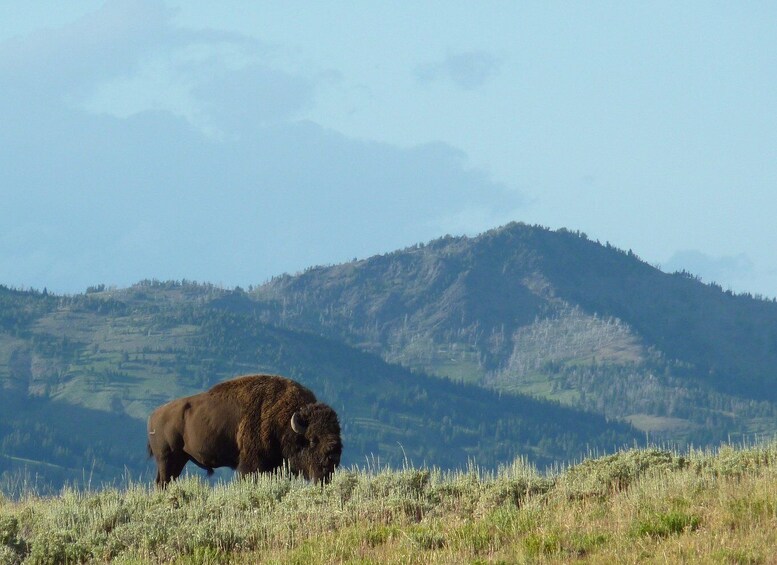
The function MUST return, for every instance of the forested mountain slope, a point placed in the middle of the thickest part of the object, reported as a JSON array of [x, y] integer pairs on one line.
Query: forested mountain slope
[[594, 336], [79, 374], [551, 313]]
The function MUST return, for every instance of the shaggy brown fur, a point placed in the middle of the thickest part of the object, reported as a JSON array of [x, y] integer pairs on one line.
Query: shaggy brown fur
[[246, 424]]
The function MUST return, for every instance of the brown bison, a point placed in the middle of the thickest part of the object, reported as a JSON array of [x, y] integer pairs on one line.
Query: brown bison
[[251, 424]]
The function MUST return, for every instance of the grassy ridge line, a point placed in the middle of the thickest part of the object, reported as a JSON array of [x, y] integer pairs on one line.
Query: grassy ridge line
[[634, 506]]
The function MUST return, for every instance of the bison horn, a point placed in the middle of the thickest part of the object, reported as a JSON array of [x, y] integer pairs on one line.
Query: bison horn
[[298, 424]]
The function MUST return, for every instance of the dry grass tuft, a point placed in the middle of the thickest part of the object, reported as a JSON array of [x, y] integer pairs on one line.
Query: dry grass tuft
[[633, 506]]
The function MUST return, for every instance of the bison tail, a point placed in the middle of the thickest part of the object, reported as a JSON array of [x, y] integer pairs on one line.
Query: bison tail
[[148, 448]]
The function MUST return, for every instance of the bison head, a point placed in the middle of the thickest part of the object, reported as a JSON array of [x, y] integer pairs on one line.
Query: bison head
[[318, 434]]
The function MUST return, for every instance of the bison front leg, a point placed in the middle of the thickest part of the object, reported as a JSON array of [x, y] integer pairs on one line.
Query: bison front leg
[[262, 466]]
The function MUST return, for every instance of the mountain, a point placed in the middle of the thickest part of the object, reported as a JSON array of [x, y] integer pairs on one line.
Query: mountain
[[79, 374], [521, 341], [558, 316]]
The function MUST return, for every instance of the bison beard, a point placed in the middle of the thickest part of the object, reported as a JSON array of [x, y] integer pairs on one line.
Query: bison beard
[[251, 424]]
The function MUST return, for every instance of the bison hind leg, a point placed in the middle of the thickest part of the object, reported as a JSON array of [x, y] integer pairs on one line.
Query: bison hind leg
[[169, 468]]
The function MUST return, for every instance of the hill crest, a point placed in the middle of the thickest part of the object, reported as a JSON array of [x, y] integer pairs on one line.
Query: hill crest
[[548, 344], [553, 314]]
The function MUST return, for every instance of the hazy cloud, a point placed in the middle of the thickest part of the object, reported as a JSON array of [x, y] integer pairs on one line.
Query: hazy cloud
[[109, 41], [150, 196], [468, 70], [114, 197], [117, 42], [251, 96]]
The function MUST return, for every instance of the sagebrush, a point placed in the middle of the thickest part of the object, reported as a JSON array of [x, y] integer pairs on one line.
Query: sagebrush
[[648, 505]]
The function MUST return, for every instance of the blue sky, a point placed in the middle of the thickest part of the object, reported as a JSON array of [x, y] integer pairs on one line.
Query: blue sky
[[229, 142]]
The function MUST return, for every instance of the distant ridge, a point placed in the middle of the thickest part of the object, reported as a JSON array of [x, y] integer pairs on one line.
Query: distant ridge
[[522, 341], [100, 362]]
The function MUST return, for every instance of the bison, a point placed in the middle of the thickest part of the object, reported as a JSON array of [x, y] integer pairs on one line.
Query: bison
[[250, 424]]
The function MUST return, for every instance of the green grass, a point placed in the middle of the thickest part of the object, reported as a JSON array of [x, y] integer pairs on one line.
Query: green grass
[[635, 506], [650, 423]]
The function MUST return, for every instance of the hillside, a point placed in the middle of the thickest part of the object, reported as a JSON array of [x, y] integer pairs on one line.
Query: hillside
[[521, 341], [555, 315], [636, 506], [79, 375]]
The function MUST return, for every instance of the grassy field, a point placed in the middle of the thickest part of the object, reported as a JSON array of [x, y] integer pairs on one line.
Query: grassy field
[[650, 506]]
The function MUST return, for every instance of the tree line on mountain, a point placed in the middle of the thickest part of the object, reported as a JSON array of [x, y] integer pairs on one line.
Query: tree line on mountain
[[500, 281], [387, 412], [725, 342], [729, 339]]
